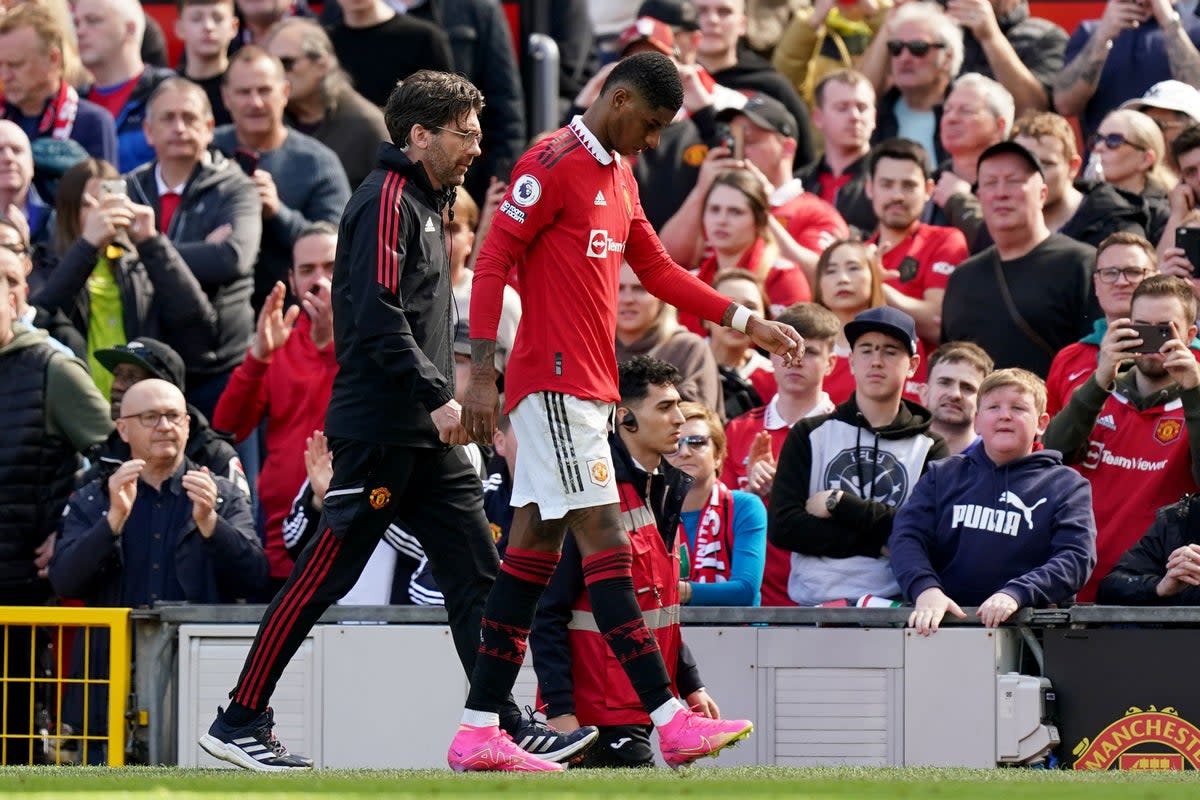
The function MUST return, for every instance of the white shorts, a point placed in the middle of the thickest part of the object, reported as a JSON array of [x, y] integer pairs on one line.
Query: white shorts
[[563, 459]]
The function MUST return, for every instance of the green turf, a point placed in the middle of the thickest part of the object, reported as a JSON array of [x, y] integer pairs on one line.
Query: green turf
[[696, 784]]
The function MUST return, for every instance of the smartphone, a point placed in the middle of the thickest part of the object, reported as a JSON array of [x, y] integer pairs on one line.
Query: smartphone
[[113, 186], [1188, 239], [1153, 336], [739, 142], [246, 159]]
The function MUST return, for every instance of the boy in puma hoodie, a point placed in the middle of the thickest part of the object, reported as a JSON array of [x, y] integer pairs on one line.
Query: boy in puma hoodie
[[1000, 526]]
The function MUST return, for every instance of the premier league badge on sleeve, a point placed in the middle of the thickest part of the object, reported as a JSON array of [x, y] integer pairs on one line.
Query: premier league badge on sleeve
[[526, 190]]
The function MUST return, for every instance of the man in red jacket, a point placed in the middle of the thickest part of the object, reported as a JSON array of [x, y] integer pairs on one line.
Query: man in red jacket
[[286, 379]]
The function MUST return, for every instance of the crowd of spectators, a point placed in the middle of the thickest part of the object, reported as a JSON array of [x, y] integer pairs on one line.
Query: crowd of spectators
[[981, 223]]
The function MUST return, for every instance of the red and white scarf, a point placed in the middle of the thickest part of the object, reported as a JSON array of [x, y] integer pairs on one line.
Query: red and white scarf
[[713, 558], [58, 120]]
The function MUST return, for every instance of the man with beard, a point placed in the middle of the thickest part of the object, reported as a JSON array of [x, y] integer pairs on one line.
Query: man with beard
[[917, 258], [1134, 433], [956, 371]]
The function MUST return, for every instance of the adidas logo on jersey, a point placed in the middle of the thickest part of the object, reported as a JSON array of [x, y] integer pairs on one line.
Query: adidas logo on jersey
[[429, 225], [1107, 421], [600, 201]]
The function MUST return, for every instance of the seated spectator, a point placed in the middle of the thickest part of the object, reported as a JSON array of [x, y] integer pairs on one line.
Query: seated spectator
[[570, 656], [756, 438], [725, 530], [1123, 261], [768, 133], [977, 114], [18, 195], [52, 413], [824, 38], [1182, 203], [15, 266], [844, 113], [1040, 278], [956, 371], [1085, 210], [1002, 41], [920, 50], [1132, 153], [956, 542], [142, 359], [379, 47], [110, 36], [466, 232], [207, 28], [722, 25], [747, 377], [117, 277], [299, 180], [321, 101], [211, 213], [1174, 106], [158, 529], [1163, 568], [917, 259], [38, 98], [850, 282], [646, 326], [1135, 433], [842, 476], [742, 232], [286, 381], [1119, 56]]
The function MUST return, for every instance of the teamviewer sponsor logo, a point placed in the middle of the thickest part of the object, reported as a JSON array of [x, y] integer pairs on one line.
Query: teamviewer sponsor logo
[[599, 245]]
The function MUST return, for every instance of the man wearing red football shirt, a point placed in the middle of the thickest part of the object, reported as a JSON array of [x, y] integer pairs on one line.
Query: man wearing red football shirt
[[756, 438], [917, 258], [571, 215], [1123, 260]]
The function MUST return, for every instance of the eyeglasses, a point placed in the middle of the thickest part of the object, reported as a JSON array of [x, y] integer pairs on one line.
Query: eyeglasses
[[1112, 141], [697, 442], [1131, 274], [917, 47], [289, 62], [150, 419], [470, 138]]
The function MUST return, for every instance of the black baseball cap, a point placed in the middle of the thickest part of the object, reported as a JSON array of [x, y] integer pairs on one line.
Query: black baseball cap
[[150, 354], [886, 320], [765, 112], [1015, 148], [676, 13]]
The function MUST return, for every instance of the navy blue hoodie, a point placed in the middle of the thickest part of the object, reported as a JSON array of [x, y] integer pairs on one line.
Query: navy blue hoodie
[[973, 528]]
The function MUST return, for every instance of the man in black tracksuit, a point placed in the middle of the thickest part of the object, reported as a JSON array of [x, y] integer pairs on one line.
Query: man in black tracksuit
[[393, 422]]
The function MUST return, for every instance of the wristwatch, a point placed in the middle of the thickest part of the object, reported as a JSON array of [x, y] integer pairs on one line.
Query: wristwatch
[[832, 499]]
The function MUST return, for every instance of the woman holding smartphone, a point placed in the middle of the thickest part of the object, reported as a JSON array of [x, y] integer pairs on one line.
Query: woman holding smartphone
[[115, 276]]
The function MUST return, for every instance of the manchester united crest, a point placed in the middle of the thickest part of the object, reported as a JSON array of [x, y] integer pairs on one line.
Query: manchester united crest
[[379, 497], [598, 471], [1168, 430]]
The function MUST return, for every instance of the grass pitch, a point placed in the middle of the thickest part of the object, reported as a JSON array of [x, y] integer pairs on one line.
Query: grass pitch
[[695, 784]]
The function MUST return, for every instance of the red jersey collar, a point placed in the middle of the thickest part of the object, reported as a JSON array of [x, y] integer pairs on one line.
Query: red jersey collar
[[589, 141]]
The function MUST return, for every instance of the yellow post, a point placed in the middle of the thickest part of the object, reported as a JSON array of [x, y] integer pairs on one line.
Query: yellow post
[[119, 657]]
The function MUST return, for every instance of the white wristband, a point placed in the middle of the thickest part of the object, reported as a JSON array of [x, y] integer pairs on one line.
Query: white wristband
[[740, 318]]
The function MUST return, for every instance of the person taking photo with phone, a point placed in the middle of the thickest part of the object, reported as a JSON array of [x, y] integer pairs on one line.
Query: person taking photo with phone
[[1134, 432]]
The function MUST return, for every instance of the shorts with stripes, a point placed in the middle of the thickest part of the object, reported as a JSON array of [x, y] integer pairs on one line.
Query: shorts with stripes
[[563, 460]]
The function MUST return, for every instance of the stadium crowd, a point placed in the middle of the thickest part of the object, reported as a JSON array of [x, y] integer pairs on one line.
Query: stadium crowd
[[999, 323]]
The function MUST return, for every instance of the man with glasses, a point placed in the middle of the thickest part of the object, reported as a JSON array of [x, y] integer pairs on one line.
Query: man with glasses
[[572, 657], [299, 180], [52, 413], [919, 52], [321, 101], [1134, 432], [1123, 260], [1134, 45]]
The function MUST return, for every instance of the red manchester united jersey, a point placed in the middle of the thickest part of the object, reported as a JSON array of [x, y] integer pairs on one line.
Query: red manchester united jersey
[[1073, 365]]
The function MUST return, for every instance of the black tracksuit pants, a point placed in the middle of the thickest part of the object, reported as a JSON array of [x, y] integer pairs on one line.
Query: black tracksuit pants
[[435, 494]]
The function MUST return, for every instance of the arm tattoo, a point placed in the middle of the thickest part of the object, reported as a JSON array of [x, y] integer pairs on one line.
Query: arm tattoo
[[483, 354], [727, 317], [1086, 67], [1182, 55]]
